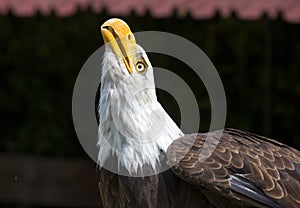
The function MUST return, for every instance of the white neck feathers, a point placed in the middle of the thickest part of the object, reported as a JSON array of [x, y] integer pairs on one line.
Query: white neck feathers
[[133, 126]]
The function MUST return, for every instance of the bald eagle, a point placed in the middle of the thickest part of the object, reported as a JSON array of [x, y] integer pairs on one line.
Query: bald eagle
[[136, 136]]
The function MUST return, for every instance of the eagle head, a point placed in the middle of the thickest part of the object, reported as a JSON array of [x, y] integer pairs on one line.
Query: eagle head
[[133, 127]]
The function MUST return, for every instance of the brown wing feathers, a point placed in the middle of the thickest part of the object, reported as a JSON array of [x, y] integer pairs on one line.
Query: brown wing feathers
[[251, 169]]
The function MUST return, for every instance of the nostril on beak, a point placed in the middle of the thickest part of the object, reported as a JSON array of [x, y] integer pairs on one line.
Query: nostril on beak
[[105, 27]]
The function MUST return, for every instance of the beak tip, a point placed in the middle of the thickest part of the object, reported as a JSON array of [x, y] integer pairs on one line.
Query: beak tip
[[116, 24]]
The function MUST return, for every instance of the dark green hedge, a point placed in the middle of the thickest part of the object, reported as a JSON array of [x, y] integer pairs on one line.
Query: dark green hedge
[[258, 61]]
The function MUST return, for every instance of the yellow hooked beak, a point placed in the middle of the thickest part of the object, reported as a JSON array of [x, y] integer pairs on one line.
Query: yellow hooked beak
[[118, 35]]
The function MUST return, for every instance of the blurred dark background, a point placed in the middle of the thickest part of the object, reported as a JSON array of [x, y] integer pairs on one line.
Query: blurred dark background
[[41, 56]]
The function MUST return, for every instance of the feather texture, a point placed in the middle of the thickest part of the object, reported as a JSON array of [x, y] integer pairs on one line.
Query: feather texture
[[248, 168]]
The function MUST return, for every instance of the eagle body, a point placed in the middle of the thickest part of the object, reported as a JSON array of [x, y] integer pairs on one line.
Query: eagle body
[[138, 140], [245, 170]]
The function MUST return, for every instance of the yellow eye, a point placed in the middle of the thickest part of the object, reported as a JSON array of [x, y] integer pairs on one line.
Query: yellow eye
[[140, 66]]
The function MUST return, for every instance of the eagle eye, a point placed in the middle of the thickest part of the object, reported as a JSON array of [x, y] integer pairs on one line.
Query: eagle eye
[[140, 66]]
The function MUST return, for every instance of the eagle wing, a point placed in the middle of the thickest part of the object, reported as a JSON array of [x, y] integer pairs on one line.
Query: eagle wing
[[246, 169]]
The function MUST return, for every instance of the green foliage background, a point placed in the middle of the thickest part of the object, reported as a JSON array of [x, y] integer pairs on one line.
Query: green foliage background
[[258, 61]]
